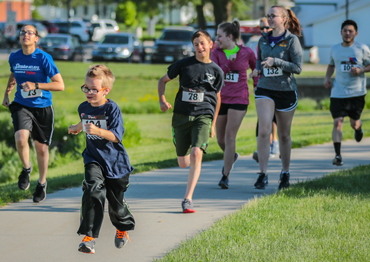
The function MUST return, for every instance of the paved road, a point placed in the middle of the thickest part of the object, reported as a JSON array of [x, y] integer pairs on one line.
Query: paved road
[[47, 231]]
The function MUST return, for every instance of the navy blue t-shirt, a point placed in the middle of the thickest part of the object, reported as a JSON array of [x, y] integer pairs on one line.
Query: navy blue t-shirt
[[37, 67], [112, 157]]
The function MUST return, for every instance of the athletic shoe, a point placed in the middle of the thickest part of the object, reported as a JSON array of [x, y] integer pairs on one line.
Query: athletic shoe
[[262, 181], [255, 156], [121, 239], [87, 245], [187, 206], [358, 135], [337, 161], [274, 148], [284, 180], [40, 193], [224, 182], [24, 179]]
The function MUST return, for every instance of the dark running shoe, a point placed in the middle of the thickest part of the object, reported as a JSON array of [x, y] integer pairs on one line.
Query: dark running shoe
[[224, 182], [121, 239], [40, 193], [358, 135], [284, 180], [87, 245], [262, 181], [24, 179], [187, 206], [255, 156], [337, 161]]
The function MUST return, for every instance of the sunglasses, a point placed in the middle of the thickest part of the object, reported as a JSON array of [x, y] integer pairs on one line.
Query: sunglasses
[[87, 90], [264, 27]]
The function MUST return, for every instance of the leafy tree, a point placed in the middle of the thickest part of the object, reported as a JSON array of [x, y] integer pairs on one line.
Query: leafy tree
[[127, 13]]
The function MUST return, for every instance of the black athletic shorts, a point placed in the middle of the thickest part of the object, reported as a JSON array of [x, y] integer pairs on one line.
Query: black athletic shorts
[[39, 121], [351, 106], [225, 107], [285, 101]]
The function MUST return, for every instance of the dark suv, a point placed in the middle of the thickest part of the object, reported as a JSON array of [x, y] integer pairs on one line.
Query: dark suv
[[173, 45]]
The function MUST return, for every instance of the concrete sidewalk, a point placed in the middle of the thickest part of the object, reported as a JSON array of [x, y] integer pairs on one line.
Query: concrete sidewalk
[[47, 231]]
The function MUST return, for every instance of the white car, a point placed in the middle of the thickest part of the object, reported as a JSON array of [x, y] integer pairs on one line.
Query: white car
[[77, 29], [102, 27]]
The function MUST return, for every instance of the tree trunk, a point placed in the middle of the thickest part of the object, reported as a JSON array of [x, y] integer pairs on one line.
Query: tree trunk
[[201, 18], [222, 11]]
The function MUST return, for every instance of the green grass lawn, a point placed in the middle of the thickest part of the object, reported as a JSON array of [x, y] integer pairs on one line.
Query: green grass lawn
[[324, 219]]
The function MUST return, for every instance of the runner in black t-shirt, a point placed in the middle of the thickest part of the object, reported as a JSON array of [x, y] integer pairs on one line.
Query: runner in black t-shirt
[[196, 108]]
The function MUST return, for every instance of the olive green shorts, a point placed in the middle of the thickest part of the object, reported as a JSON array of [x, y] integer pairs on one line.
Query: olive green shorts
[[190, 131]]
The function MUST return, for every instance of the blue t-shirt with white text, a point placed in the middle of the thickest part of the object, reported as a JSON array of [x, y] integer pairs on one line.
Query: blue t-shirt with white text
[[37, 67], [112, 157]]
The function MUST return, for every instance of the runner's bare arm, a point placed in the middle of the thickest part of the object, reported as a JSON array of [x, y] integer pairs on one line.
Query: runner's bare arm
[[57, 84], [75, 129], [161, 89], [92, 129], [218, 105], [355, 71], [11, 84], [329, 72]]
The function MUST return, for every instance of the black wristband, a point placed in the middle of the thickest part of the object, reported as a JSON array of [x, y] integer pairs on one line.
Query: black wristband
[[37, 85]]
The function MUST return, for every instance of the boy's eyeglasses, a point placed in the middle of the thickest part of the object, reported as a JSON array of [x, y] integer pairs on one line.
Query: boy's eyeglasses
[[30, 33], [264, 27], [91, 91], [272, 16]]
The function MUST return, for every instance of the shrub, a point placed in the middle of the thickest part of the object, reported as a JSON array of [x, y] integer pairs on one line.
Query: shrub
[[307, 104], [324, 104]]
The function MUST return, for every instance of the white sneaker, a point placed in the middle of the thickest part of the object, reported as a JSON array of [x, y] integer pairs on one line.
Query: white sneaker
[[274, 148]]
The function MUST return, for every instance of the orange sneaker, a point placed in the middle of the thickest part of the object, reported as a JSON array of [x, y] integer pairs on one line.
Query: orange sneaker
[[87, 245], [121, 239]]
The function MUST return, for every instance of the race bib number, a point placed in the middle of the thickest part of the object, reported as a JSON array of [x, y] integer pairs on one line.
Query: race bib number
[[31, 93], [272, 71], [192, 96], [232, 76], [346, 67], [98, 121]]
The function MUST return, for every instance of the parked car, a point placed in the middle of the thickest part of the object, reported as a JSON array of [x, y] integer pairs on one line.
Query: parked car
[[62, 47], [2, 36], [103, 27], [173, 45], [77, 29], [90, 29], [50, 26], [118, 47]]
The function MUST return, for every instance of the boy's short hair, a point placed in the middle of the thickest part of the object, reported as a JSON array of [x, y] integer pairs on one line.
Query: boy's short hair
[[201, 33], [349, 22], [101, 72]]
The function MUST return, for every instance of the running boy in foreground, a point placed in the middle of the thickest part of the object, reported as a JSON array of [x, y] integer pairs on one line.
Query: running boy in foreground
[[107, 166], [196, 108]]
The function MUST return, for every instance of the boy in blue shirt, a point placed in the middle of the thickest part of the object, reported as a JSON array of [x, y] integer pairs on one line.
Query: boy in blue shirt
[[107, 166]]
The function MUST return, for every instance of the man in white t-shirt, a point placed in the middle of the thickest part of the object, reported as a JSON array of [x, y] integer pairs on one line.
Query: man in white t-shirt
[[350, 60]]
